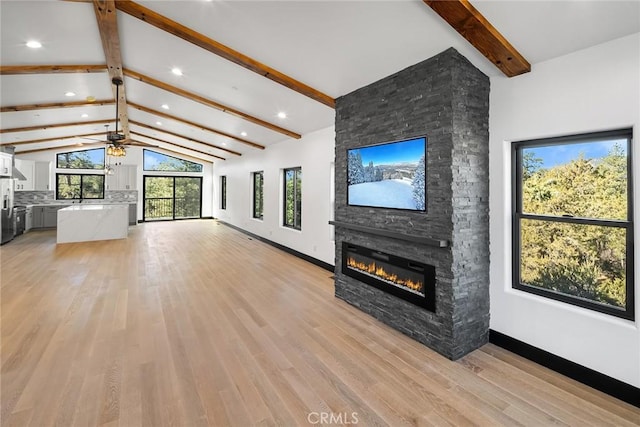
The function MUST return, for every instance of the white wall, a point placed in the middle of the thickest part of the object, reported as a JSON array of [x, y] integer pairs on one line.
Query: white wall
[[591, 90], [314, 152], [134, 157]]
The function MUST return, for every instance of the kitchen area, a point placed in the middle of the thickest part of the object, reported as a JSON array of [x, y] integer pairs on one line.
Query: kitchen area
[[29, 199]]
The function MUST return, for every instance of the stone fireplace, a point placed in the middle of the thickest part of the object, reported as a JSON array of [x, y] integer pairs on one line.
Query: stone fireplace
[[446, 99]]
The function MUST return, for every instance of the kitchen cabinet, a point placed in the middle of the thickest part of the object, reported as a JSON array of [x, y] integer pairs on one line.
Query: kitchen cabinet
[[46, 216], [42, 176], [38, 217], [124, 177], [133, 214], [6, 164], [26, 168]]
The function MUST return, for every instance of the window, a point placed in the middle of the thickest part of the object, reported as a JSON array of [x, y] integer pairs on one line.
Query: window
[[223, 192], [293, 198], [258, 195], [79, 186], [572, 222], [84, 159], [172, 197], [154, 161]]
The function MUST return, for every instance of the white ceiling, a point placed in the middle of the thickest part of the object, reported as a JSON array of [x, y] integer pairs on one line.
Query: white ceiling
[[334, 46]]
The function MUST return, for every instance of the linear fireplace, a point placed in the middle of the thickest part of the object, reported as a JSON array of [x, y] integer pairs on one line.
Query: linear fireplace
[[406, 279]]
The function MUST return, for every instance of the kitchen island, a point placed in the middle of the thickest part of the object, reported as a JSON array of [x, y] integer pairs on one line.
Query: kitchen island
[[84, 223]]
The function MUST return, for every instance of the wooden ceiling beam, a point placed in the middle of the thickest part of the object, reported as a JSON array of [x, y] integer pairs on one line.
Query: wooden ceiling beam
[[196, 125], [7, 70], [133, 122], [172, 27], [176, 145], [44, 106], [54, 126], [37, 150], [36, 141], [209, 103], [188, 156], [106, 16], [474, 27]]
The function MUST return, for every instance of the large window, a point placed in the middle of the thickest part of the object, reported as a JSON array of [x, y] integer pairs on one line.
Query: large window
[[79, 186], [572, 222], [223, 192], [292, 198], [83, 159], [172, 197], [154, 161], [258, 194]]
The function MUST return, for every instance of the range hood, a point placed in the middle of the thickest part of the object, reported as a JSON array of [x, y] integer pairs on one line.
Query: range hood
[[18, 175]]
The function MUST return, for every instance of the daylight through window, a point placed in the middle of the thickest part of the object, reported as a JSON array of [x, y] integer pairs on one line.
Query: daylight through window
[[573, 229], [79, 186], [223, 192], [83, 159], [293, 198], [258, 195]]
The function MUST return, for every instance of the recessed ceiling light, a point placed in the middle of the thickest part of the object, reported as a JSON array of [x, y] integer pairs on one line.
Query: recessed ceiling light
[[243, 133], [159, 123], [34, 44], [176, 71], [70, 94], [224, 143], [282, 115], [84, 116], [165, 106]]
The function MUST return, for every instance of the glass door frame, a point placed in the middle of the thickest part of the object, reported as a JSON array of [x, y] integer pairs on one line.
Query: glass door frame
[[173, 177]]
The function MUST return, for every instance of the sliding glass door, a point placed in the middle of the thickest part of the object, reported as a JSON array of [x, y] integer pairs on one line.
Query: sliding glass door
[[168, 197]]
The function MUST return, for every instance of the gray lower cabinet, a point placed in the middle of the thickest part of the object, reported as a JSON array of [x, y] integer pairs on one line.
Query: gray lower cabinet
[[133, 214], [38, 217], [46, 216]]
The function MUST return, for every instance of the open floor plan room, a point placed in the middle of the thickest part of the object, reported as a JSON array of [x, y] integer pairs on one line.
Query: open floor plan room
[[194, 323]]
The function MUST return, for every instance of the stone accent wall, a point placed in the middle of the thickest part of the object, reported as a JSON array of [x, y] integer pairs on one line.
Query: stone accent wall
[[446, 99]]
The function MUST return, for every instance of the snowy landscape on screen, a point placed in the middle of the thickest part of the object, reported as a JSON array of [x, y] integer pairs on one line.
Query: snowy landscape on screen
[[391, 192], [388, 175]]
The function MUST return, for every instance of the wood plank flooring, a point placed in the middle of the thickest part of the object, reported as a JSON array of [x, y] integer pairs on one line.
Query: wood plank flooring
[[192, 323]]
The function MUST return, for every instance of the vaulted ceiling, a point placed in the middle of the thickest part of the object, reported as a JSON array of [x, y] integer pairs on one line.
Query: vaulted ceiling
[[242, 63]]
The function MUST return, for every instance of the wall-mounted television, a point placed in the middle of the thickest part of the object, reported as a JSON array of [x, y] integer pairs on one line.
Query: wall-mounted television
[[388, 175]]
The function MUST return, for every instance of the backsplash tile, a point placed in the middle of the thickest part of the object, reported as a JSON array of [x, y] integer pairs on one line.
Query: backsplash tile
[[49, 198]]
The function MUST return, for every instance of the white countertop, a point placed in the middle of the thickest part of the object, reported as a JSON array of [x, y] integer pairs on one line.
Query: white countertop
[[92, 207]]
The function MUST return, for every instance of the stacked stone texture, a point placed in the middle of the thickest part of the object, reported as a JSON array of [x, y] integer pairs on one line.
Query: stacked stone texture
[[446, 99]]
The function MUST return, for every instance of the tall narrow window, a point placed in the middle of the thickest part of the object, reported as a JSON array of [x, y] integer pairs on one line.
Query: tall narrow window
[[293, 198], [258, 195], [572, 222], [223, 192]]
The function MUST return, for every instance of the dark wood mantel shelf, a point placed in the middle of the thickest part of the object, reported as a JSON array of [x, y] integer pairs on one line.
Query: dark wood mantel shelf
[[393, 234]]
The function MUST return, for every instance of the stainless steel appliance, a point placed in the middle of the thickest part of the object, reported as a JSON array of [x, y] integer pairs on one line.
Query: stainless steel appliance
[[20, 216], [6, 211]]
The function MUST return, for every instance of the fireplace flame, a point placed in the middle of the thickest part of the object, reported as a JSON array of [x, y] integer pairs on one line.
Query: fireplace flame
[[380, 272]]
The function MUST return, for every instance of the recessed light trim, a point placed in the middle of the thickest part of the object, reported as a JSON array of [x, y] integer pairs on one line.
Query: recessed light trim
[[34, 44], [282, 115], [176, 71], [70, 94], [165, 106], [243, 134], [159, 123], [84, 116]]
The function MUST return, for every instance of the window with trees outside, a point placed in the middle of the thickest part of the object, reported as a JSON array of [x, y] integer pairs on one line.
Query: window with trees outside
[[154, 161], [572, 222], [79, 186], [258, 195], [293, 198], [83, 159], [223, 192]]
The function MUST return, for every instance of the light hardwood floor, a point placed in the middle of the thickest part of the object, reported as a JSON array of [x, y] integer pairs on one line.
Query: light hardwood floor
[[193, 323]]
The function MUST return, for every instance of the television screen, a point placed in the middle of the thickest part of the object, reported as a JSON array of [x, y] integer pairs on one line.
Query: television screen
[[390, 175]]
